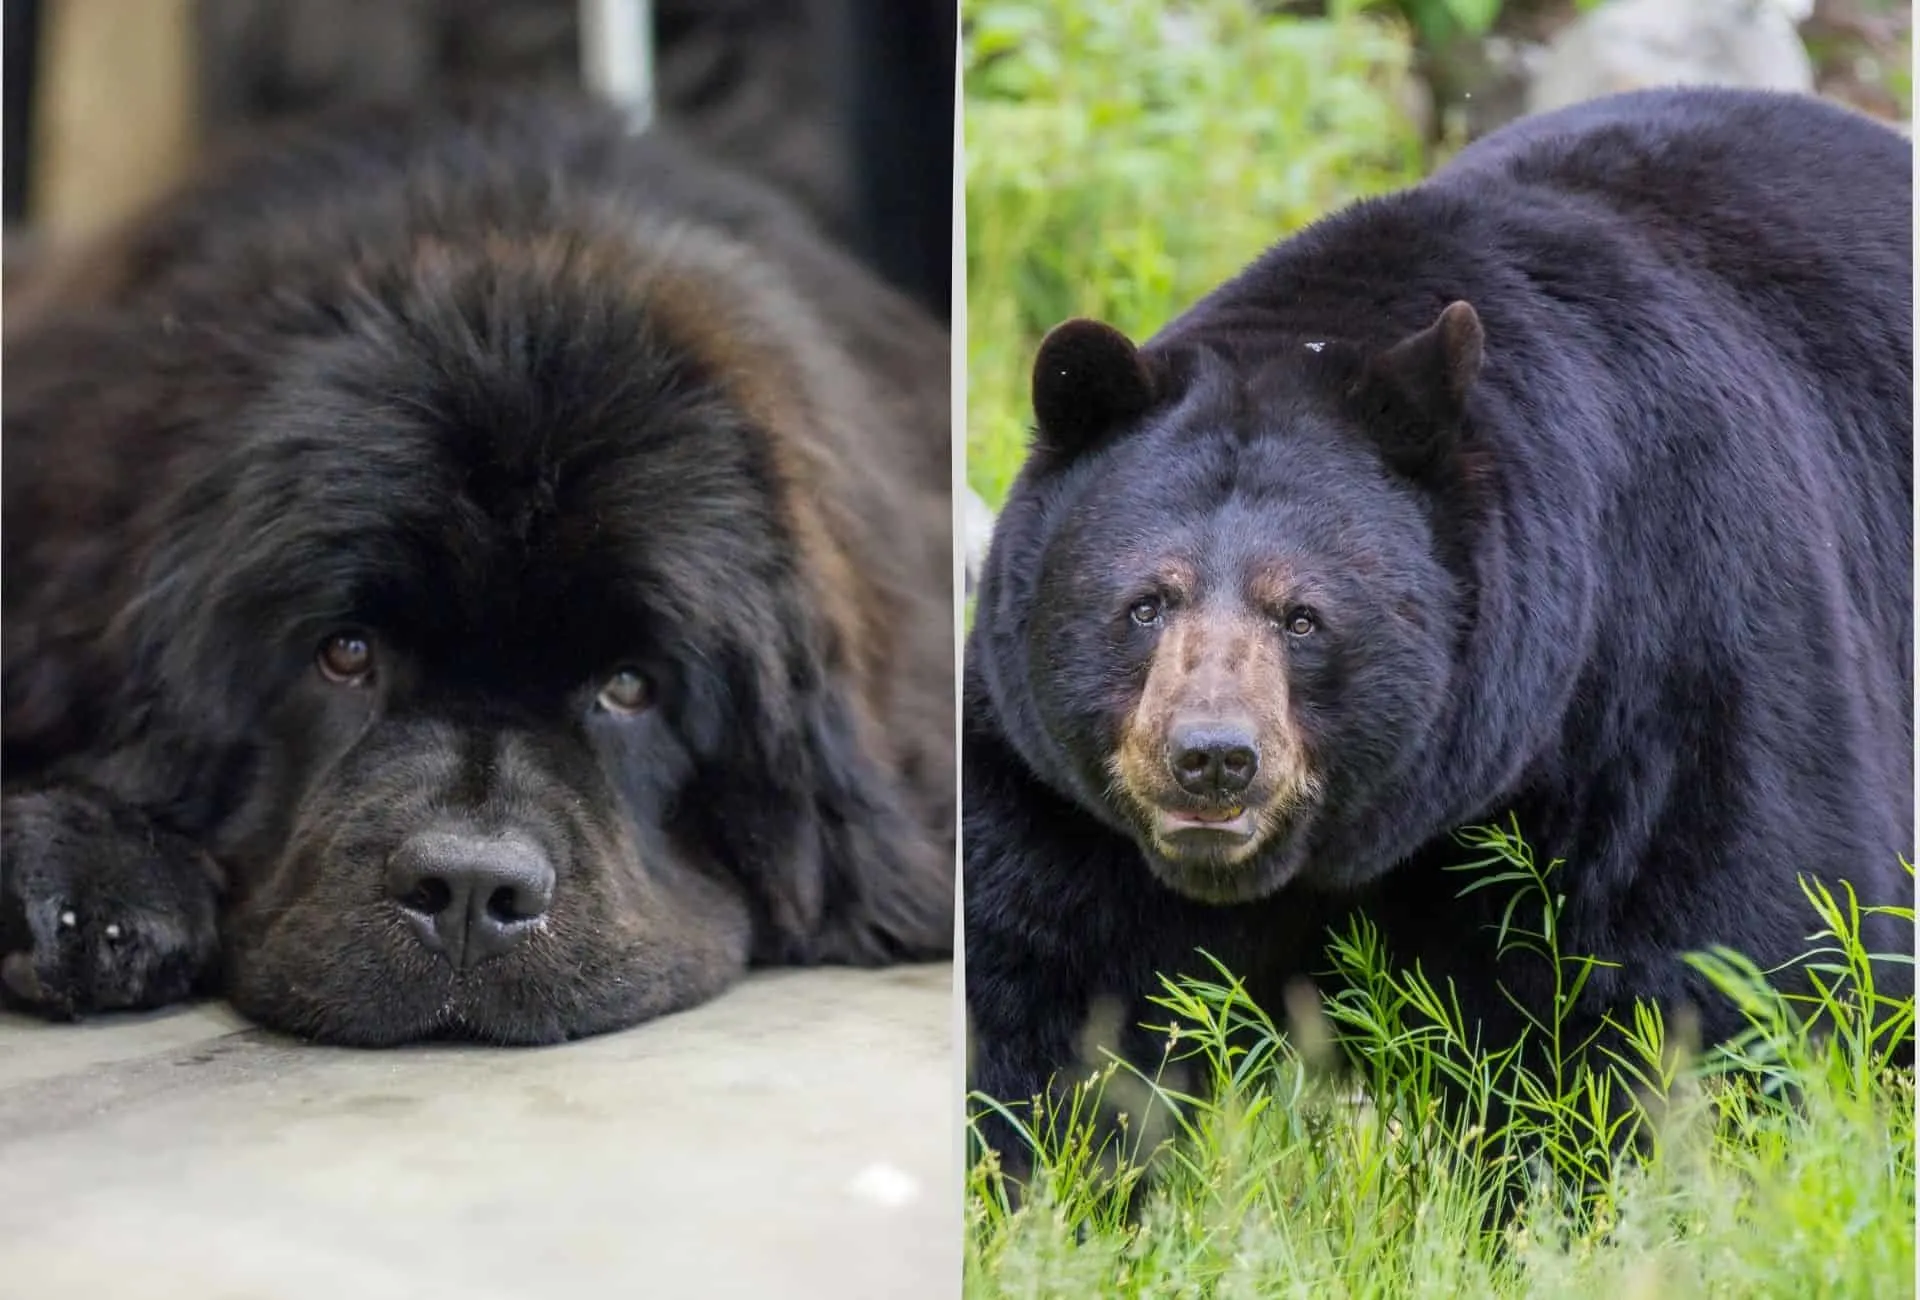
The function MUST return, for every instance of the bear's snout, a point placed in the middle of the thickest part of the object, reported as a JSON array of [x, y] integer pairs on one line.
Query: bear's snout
[[1210, 765]]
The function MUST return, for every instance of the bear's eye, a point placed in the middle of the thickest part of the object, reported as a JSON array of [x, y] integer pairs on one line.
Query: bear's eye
[[625, 692], [346, 659], [1145, 611], [1300, 622]]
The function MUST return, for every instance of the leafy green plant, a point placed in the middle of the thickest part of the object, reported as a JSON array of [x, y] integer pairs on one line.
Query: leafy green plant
[[1780, 1164], [1440, 21]]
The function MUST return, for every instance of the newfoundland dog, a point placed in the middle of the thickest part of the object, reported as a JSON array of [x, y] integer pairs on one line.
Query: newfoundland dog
[[470, 572]]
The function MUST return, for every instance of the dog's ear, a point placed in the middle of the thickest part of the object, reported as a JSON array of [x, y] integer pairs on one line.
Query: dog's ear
[[192, 687], [819, 829], [886, 867]]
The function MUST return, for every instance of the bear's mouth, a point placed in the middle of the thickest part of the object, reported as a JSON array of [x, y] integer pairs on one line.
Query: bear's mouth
[[1204, 830]]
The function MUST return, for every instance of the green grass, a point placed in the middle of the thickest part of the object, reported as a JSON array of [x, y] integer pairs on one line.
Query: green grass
[[1778, 1166], [1124, 157]]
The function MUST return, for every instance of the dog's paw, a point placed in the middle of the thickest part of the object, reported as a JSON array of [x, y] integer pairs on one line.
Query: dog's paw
[[100, 909]]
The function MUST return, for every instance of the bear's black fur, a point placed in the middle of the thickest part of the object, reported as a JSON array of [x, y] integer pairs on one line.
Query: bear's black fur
[[1573, 485]]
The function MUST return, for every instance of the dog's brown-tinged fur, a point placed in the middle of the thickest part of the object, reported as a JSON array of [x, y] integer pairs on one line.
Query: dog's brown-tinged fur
[[523, 401]]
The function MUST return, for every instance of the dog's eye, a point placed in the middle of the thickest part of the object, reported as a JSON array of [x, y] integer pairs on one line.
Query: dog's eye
[[1300, 622], [345, 658], [625, 692], [1145, 611]]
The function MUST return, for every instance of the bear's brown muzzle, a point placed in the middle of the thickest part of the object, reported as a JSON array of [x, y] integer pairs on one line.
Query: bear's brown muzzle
[[1210, 759]]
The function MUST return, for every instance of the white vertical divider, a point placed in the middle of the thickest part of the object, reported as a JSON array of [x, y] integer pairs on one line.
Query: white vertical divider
[[616, 56]]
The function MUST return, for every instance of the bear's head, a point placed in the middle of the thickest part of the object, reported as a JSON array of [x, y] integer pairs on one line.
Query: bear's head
[[1244, 588]]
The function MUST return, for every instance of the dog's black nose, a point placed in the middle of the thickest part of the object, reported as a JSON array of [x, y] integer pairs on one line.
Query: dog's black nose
[[1213, 758], [470, 897]]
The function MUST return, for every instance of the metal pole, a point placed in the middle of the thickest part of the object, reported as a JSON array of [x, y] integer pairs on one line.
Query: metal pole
[[616, 55]]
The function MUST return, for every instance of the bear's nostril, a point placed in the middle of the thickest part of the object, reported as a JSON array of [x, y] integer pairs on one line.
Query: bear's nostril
[[1191, 762], [429, 896], [506, 905]]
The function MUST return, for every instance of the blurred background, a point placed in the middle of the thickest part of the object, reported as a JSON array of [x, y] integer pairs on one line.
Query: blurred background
[[845, 104], [1123, 157]]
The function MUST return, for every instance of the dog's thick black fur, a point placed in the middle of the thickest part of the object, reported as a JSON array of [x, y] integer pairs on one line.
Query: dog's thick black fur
[[470, 572], [1572, 486]]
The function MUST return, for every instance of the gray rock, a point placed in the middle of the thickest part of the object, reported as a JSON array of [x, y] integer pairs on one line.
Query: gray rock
[[1635, 44]]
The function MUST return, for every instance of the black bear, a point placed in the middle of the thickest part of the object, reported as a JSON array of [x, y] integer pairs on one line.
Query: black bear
[[1572, 486]]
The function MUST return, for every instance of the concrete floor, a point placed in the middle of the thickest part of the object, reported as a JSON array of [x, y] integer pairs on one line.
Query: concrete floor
[[797, 1137]]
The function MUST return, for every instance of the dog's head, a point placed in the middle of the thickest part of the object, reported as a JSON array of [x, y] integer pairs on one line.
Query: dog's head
[[531, 627]]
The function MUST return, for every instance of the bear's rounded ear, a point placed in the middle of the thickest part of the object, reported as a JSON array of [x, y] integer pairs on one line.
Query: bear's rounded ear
[[1415, 392], [1438, 366], [1088, 378]]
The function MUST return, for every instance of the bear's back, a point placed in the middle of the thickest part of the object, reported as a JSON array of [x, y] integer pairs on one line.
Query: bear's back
[[1757, 175]]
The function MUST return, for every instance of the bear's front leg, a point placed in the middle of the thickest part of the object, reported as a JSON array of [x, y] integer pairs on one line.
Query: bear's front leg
[[1057, 977], [1035, 1038], [100, 908]]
